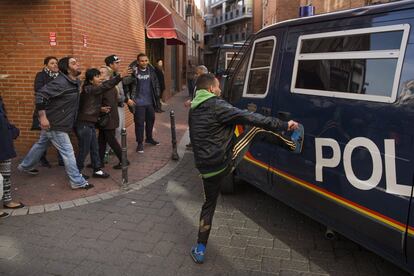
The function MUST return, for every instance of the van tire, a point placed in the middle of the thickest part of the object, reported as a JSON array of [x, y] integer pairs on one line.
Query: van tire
[[228, 185]]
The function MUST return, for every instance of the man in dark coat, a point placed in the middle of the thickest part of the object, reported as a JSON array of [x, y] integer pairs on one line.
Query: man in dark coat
[[212, 124], [57, 104], [141, 91], [50, 72]]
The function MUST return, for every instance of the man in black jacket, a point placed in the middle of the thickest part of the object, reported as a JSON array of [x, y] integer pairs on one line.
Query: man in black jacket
[[159, 70], [57, 104], [141, 91], [50, 72], [212, 124]]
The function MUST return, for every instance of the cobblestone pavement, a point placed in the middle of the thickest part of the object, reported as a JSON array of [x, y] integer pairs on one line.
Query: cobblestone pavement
[[149, 232]]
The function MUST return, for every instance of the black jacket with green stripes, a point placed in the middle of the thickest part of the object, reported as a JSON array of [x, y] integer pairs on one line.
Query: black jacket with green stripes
[[212, 125]]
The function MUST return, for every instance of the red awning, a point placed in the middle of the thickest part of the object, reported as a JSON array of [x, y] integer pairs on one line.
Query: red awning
[[159, 23]]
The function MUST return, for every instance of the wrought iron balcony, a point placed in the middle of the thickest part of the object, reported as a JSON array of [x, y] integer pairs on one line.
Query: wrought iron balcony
[[232, 16], [227, 39]]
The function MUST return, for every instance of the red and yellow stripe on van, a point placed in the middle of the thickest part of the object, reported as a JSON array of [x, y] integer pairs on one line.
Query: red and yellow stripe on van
[[327, 194]]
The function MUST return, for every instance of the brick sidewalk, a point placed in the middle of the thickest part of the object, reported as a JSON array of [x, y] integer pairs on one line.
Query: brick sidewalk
[[51, 185]]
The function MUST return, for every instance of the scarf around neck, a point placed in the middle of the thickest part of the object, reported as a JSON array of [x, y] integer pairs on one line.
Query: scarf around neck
[[51, 74]]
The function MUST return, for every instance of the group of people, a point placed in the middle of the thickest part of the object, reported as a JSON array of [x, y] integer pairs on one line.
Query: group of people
[[63, 105]]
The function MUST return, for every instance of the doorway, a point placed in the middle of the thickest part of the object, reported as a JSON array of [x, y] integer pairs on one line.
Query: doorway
[[154, 49]]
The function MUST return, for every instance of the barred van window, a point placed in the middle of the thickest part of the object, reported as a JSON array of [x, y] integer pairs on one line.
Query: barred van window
[[238, 81], [262, 52], [258, 81], [259, 71]]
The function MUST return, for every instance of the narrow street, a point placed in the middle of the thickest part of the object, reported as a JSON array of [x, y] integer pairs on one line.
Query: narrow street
[[317, 95], [150, 229]]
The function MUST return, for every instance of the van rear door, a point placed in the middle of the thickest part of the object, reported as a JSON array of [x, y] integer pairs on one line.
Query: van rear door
[[251, 90]]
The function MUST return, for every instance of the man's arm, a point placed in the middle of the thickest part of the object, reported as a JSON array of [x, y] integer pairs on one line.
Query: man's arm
[[104, 86], [43, 95], [47, 92], [127, 83], [38, 82], [228, 114]]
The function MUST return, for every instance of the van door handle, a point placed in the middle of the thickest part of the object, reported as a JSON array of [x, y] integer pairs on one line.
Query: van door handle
[[251, 107], [266, 111], [284, 115]]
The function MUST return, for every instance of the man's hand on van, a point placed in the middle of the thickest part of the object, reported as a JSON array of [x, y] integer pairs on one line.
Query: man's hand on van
[[292, 125]]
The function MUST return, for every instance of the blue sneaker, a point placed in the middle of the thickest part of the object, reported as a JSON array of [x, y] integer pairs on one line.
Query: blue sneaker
[[297, 137], [197, 253]]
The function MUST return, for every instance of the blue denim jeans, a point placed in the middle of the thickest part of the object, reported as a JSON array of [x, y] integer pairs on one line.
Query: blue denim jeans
[[87, 143], [62, 143]]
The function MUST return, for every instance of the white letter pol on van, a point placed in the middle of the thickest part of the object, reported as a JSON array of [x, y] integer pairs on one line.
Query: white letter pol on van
[[326, 162]]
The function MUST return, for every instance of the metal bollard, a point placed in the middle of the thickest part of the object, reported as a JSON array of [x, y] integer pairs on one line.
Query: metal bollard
[[174, 155], [124, 158]]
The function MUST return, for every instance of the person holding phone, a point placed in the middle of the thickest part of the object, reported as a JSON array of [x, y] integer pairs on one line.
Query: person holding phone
[[89, 109], [107, 133]]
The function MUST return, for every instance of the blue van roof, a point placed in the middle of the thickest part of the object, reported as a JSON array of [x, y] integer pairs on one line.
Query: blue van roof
[[366, 10]]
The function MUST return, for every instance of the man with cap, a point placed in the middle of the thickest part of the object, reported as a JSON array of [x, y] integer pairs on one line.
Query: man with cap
[[114, 64]]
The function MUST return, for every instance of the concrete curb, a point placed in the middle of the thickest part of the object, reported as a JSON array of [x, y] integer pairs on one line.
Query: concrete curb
[[169, 167]]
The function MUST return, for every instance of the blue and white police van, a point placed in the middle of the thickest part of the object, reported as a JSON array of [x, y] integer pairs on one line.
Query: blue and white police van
[[348, 77]]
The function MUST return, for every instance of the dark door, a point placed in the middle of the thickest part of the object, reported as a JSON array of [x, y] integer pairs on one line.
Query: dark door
[[254, 80]]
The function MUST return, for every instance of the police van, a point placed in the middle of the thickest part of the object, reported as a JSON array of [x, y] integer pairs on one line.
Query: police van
[[348, 77]]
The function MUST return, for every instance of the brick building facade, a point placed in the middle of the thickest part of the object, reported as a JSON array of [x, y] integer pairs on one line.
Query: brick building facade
[[87, 30], [280, 10]]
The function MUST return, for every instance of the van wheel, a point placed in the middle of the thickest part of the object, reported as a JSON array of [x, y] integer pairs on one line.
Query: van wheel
[[228, 185]]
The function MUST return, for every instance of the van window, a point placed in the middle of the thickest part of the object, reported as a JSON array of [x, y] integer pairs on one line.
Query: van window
[[359, 42], [260, 64], [236, 72], [238, 82], [360, 64]]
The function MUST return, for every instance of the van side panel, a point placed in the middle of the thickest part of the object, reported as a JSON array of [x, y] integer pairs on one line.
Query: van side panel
[[374, 217]]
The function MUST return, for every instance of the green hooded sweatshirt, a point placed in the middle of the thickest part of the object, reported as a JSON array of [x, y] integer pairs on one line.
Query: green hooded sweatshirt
[[203, 95]]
